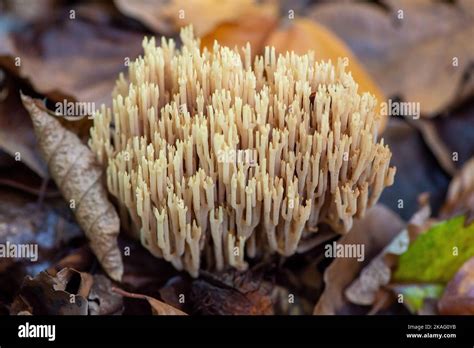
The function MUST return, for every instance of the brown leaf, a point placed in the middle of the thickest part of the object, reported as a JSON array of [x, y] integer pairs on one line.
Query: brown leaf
[[460, 197], [232, 293], [71, 59], [174, 289], [46, 226], [378, 272], [237, 33], [80, 259], [69, 292], [17, 137], [374, 231], [75, 171], [158, 307], [167, 16], [458, 297], [60, 295], [102, 300], [406, 55]]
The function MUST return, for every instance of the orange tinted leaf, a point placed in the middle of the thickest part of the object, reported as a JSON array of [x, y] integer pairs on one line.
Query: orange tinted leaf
[[302, 35], [239, 32], [166, 17]]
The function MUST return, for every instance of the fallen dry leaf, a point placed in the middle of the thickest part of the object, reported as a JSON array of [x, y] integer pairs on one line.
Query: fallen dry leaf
[[158, 307], [45, 225], [80, 259], [167, 16], [69, 292], [458, 297], [263, 16], [405, 55], [374, 231], [17, 137], [460, 197], [74, 169], [378, 272], [301, 35], [73, 59], [102, 300], [64, 294], [232, 293]]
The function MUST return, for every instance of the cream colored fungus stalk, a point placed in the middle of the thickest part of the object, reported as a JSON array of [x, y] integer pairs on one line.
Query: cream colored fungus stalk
[[174, 139]]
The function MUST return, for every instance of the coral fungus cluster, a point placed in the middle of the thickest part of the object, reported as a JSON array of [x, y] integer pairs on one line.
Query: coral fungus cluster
[[219, 158]]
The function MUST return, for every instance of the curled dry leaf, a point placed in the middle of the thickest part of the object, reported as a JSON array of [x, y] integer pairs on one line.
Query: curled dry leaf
[[374, 231], [458, 297], [64, 294], [69, 292], [436, 35], [73, 167], [301, 35], [158, 307]]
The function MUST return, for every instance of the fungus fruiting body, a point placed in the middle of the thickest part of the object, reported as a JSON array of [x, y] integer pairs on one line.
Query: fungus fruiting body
[[215, 159]]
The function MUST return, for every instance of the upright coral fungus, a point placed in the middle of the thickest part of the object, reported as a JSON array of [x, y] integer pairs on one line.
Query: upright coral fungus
[[213, 158]]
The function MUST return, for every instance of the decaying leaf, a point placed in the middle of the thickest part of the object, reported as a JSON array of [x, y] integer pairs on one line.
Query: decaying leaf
[[413, 45], [64, 294], [17, 137], [436, 255], [232, 292], [73, 167], [69, 292], [458, 297], [73, 60], [158, 307], [460, 197], [46, 227], [378, 272], [301, 35], [374, 231], [102, 300]]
